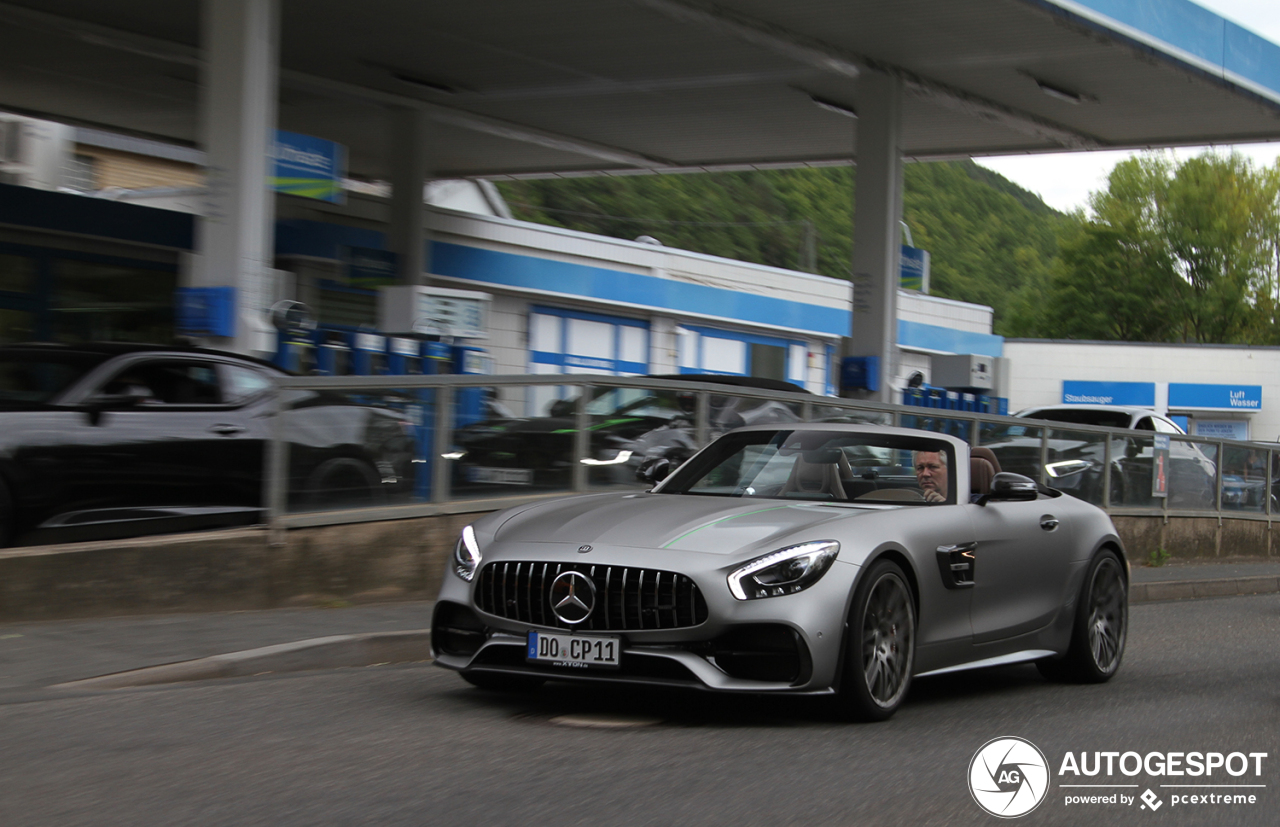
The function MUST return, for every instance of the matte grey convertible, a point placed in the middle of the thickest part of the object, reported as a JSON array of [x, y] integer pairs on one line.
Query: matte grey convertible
[[807, 559]]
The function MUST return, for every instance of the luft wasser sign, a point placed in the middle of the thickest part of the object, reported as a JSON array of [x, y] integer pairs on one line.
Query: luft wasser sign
[[1190, 397]]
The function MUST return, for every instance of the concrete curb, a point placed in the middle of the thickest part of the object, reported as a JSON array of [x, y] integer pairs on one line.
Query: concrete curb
[[1188, 589], [317, 653]]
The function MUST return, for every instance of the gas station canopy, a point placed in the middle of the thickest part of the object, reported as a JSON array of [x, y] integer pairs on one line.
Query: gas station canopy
[[518, 88]]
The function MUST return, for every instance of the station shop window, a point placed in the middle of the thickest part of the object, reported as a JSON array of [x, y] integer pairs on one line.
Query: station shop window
[[96, 301], [17, 274], [705, 349], [16, 326], [571, 341]]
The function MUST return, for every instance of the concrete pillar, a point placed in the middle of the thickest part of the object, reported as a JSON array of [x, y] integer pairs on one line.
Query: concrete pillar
[[876, 227], [408, 235], [235, 237]]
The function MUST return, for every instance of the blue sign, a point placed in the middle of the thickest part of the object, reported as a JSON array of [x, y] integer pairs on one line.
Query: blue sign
[[1139, 394], [309, 167], [370, 267], [913, 269], [205, 311], [1215, 397]]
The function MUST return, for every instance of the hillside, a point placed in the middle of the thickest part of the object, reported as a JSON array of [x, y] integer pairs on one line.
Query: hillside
[[991, 241]]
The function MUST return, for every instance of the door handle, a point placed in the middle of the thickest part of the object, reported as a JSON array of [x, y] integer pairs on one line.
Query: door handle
[[227, 429], [1048, 522]]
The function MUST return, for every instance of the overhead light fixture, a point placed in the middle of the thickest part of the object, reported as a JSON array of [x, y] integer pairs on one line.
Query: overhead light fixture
[[1058, 93], [425, 84], [832, 106]]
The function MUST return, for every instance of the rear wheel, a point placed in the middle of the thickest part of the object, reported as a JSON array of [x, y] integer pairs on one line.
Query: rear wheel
[[879, 645], [6, 515], [1100, 626], [496, 682], [343, 482]]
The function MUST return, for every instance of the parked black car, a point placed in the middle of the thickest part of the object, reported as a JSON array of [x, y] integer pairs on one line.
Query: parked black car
[[115, 440], [631, 428]]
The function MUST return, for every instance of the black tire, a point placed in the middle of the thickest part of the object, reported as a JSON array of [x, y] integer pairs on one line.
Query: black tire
[[6, 514], [879, 652], [344, 482], [1100, 626], [495, 682]]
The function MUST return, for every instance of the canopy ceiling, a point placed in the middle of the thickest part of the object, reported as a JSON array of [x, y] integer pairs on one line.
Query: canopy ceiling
[[556, 87]]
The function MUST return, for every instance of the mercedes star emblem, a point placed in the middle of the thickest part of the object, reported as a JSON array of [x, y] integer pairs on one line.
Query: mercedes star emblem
[[573, 596]]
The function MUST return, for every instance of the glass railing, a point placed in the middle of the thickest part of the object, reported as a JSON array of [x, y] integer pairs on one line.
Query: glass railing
[[348, 448]]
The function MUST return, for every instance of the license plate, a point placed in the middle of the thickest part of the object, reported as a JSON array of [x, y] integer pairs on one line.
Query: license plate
[[500, 476], [574, 651]]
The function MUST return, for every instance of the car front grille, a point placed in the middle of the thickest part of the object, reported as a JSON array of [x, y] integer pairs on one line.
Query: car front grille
[[627, 598]]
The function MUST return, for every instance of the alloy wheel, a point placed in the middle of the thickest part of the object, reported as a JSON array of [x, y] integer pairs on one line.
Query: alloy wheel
[[888, 632], [1107, 615]]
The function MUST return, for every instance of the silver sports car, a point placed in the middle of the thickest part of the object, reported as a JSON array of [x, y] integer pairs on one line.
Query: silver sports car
[[809, 559]]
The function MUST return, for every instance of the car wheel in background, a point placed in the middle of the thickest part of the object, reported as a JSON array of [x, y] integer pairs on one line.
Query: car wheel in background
[[344, 482], [502, 683], [879, 644], [1099, 629], [6, 514]]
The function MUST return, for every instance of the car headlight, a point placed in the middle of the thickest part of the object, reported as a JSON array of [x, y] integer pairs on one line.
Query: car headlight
[[785, 571], [466, 555], [1066, 468]]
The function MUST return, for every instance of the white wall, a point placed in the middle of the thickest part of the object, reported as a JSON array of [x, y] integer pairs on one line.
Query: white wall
[[1038, 369]]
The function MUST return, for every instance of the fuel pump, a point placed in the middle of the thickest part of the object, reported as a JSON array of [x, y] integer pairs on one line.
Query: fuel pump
[[471, 361], [295, 344], [369, 354], [333, 355]]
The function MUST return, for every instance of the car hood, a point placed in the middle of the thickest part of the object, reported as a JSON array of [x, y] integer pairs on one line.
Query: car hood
[[718, 525]]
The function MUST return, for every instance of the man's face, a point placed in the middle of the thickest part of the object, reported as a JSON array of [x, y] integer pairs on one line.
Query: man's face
[[931, 473]]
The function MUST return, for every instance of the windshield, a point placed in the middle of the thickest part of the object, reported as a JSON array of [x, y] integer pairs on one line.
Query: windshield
[[822, 466], [636, 402], [35, 377], [1085, 416]]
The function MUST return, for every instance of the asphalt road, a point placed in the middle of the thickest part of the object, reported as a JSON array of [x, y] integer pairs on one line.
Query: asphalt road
[[414, 745]]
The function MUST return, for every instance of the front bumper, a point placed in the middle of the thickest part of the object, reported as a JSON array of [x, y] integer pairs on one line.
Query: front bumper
[[785, 644]]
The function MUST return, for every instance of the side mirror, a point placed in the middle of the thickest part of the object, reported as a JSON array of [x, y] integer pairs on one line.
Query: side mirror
[[1009, 486], [98, 403], [654, 472]]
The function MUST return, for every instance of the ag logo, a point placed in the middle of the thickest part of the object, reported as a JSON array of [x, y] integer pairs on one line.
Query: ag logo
[[1008, 777]]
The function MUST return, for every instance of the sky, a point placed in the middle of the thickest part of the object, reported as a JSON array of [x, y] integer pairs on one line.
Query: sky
[[1064, 180]]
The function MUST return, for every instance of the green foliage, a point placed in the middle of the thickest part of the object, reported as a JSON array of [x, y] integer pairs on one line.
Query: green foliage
[[988, 238], [1180, 253], [1158, 557]]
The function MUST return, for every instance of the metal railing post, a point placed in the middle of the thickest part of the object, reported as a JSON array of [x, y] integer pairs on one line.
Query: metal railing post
[[581, 439], [1106, 474], [441, 441], [702, 419], [275, 483]]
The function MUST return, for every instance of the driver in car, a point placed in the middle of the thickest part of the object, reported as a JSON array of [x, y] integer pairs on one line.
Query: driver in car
[[931, 475]]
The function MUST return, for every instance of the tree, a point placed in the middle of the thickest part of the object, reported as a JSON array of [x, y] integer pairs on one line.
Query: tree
[[1171, 253]]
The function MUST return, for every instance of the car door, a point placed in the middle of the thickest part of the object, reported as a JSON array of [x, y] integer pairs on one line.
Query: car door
[[246, 429], [165, 445], [1021, 563]]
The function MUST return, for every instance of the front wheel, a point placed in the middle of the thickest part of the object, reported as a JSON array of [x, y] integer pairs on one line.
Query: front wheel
[[879, 644], [1099, 629]]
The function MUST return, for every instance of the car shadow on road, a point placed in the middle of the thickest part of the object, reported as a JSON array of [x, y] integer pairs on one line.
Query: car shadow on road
[[693, 708]]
